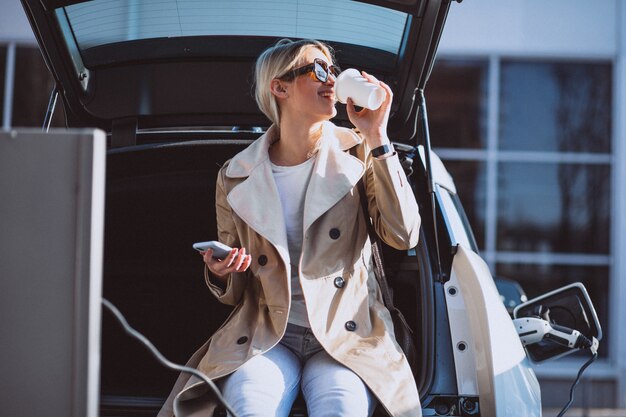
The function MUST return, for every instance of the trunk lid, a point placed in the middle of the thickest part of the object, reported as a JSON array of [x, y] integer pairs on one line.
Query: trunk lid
[[131, 65]]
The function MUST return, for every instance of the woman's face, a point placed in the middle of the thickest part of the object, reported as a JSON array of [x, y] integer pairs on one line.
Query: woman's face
[[308, 97]]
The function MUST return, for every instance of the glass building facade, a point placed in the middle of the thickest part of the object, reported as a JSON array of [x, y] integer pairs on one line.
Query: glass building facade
[[538, 192]]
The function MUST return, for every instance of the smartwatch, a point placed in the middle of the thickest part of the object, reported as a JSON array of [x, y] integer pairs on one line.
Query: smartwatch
[[381, 150]]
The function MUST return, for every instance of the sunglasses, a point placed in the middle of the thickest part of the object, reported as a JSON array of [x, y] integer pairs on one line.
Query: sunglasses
[[319, 71]]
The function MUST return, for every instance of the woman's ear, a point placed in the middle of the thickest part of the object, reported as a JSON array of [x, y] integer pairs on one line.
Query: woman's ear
[[279, 88]]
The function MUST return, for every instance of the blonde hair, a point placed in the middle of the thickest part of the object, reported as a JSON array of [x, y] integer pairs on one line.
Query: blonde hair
[[275, 62]]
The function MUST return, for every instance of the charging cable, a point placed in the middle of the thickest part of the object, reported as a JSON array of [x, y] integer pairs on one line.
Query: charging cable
[[533, 330], [594, 355], [134, 333]]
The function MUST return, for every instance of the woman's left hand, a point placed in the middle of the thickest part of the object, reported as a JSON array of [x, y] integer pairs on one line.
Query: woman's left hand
[[372, 123]]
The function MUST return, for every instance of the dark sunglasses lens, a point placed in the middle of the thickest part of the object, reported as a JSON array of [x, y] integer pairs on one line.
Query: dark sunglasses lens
[[321, 71], [335, 70]]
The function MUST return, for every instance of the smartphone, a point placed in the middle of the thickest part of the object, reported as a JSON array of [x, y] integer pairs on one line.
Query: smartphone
[[220, 250]]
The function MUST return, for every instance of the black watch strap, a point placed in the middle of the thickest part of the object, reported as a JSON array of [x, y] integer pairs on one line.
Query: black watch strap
[[381, 150]]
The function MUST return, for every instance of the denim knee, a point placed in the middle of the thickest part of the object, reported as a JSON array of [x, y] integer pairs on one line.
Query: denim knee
[[266, 385], [330, 389]]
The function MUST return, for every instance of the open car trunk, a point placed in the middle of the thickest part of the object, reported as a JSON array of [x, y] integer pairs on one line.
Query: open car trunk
[[160, 199]]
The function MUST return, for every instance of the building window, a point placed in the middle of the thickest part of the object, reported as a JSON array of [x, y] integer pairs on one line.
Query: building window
[[556, 107], [470, 181], [553, 207], [528, 144], [457, 111], [457, 91], [554, 187]]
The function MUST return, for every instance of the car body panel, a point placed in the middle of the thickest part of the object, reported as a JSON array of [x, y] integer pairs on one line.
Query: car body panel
[[506, 384], [463, 346]]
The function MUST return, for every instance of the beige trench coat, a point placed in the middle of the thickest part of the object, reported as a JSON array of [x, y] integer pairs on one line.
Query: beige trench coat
[[335, 245]]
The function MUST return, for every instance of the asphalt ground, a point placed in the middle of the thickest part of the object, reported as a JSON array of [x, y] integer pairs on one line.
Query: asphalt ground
[[592, 412]]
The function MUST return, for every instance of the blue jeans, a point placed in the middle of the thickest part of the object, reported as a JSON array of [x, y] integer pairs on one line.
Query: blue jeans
[[268, 384]]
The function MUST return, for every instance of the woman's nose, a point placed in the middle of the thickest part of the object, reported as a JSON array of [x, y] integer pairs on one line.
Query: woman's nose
[[331, 79]]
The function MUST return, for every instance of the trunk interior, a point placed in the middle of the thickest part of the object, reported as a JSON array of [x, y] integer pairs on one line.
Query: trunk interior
[[160, 199]]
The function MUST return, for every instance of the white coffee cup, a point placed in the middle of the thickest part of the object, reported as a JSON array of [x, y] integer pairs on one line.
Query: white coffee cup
[[350, 83]]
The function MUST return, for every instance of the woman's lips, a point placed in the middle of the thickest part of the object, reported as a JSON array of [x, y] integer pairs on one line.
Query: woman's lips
[[327, 94]]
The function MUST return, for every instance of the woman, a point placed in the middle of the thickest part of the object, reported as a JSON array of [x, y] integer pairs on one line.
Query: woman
[[308, 312]]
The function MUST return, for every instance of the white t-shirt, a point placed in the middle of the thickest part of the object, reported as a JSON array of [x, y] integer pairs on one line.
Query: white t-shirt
[[292, 182]]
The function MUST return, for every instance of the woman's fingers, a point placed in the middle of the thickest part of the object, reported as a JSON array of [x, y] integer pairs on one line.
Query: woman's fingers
[[376, 81], [243, 261], [236, 261], [352, 110], [218, 266], [387, 88], [241, 256], [389, 96], [230, 259], [246, 263], [370, 77], [207, 256]]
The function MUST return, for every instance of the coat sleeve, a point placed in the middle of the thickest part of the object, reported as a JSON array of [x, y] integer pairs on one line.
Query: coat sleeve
[[227, 234], [391, 201]]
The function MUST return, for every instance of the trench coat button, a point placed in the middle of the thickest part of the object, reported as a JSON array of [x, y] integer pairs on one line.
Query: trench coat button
[[334, 233], [262, 260], [350, 326], [242, 340], [339, 282]]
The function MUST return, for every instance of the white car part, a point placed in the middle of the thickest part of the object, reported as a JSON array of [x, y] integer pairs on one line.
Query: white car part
[[533, 330], [507, 386]]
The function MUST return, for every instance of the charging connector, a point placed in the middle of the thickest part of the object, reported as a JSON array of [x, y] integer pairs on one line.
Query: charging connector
[[533, 330]]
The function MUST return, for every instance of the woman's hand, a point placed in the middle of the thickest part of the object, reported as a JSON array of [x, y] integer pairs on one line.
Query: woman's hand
[[236, 261], [372, 123]]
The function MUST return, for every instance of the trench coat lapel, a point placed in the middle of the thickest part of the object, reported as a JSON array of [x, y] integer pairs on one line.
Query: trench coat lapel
[[335, 172], [256, 199]]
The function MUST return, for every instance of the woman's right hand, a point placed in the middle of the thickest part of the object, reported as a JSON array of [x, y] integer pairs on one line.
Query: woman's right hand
[[236, 261]]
